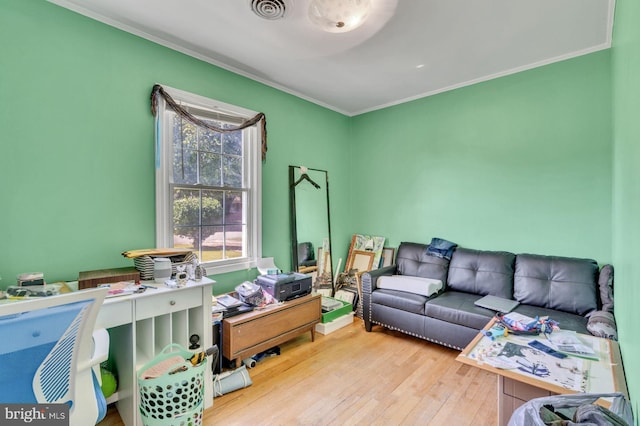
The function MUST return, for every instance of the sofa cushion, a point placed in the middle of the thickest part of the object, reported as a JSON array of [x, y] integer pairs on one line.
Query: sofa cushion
[[458, 308], [418, 285], [402, 300], [412, 259], [482, 272], [605, 285], [563, 283], [566, 321]]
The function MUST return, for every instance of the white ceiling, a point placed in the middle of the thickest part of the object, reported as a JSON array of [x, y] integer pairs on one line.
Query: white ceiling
[[455, 42]]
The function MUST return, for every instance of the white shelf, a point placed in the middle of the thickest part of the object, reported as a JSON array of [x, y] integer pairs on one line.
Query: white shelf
[[141, 325]]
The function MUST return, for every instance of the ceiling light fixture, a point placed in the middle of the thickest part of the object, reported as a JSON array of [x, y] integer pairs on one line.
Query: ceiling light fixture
[[338, 16]]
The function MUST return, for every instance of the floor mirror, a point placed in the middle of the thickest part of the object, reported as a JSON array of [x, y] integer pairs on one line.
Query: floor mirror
[[311, 225]]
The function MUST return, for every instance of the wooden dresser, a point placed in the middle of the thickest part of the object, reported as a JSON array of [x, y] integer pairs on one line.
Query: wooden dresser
[[247, 334]]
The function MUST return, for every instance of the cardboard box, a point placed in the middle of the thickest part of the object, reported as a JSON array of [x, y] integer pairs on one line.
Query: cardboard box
[[331, 315], [336, 324], [91, 279]]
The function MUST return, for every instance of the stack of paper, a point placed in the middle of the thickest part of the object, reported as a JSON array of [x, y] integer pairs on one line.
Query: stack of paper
[[229, 301], [568, 342]]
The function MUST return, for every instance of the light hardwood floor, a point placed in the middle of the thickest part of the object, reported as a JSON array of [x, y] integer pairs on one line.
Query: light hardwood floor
[[351, 377]]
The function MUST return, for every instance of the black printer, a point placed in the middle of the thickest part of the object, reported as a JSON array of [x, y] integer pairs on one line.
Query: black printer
[[285, 286]]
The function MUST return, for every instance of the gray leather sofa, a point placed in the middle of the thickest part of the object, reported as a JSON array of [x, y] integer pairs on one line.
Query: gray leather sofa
[[568, 290]]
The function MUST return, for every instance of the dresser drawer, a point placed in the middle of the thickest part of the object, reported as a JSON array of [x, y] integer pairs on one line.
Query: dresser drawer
[[250, 333], [522, 391], [171, 301]]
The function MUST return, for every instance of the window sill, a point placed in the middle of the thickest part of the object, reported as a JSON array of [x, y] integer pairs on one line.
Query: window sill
[[229, 267]]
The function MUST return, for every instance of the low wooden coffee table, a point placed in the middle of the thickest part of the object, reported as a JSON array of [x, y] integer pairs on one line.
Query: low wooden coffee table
[[247, 334], [515, 387]]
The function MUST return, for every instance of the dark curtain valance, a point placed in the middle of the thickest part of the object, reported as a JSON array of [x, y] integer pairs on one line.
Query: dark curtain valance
[[260, 117]]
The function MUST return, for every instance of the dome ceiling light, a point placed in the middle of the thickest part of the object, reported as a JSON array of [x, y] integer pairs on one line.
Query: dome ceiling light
[[338, 16]]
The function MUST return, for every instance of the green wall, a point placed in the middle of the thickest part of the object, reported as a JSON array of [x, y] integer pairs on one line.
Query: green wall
[[76, 161], [521, 163], [626, 193]]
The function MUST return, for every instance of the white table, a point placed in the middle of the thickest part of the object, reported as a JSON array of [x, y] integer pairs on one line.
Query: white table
[[141, 325]]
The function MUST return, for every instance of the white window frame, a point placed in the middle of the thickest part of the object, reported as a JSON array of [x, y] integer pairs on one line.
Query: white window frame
[[252, 167]]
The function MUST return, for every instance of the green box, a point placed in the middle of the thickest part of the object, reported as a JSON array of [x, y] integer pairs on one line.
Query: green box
[[331, 315]]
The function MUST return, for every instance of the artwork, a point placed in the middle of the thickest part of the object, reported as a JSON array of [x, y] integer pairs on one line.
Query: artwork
[[325, 291], [361, 261], [365, 243], [347, 295], [365, 253], [323, 275], [388, 254], [347, 280], [324, 261]]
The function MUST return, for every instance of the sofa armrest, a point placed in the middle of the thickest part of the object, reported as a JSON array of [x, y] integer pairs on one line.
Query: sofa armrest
[[368, 285], [369, 278], [602, 324]]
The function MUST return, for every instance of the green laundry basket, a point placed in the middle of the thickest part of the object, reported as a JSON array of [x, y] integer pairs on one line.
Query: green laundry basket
[[173, 399]]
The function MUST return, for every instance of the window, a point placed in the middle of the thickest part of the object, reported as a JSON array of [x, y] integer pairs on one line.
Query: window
[[208, 184]]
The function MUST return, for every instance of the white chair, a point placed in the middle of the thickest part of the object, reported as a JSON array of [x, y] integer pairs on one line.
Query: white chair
[[50, 353]]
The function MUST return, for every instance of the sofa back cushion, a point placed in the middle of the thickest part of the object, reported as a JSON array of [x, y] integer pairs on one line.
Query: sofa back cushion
[[563, 283], [482, 272], [412, 259]]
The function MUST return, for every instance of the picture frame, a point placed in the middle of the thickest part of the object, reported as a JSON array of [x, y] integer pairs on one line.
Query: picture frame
[[323, 260], [325, 291], [347, 295], [365, 243], [361, 260], [388, 254]]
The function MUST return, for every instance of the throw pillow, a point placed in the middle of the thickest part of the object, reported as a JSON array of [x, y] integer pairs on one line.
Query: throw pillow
[[605, 284], [410, 284], [602, 324]]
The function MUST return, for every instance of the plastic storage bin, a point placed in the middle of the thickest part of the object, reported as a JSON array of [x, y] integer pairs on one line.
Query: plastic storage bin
[[172, 399]]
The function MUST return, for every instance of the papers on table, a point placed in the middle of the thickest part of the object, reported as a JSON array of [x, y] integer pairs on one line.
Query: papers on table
[[519, 322], [568, 342], [122, 288]]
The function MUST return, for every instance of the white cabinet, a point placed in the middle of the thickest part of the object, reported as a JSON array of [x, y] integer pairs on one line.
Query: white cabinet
[[141, 325]]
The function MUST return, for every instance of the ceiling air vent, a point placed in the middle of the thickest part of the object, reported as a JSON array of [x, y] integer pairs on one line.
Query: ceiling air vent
[[269, 9]]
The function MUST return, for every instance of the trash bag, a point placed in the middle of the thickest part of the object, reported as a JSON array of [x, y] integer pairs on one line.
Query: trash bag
[[619, 414]]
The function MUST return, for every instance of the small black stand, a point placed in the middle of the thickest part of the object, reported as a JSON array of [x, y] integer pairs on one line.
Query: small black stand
[[195, 341]]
